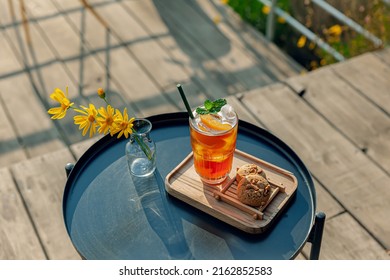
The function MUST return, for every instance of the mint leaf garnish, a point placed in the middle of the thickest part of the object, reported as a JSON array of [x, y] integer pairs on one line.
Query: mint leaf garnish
[[211, 107], [208, 105], [202, 111]]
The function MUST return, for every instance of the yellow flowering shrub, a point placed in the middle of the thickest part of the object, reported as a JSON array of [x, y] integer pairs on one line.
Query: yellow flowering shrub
[[334, 30], [301, 41], [333, 33], [266, 10]]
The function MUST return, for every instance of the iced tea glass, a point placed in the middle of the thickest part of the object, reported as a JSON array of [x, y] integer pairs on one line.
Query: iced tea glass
[[213, 149]]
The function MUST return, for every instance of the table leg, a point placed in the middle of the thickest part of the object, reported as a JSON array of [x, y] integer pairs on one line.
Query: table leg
[[315, 237]]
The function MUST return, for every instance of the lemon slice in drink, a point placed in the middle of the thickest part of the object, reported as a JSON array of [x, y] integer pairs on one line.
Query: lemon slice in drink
[[214, 122]]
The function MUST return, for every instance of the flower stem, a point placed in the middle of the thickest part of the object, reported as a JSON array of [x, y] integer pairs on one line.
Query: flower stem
[[145, 148]]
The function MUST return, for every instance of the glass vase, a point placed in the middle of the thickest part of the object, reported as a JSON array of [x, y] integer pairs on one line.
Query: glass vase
[[141, 149]]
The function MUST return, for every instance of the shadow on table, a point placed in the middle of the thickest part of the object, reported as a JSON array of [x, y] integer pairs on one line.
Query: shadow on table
[[163, 222]]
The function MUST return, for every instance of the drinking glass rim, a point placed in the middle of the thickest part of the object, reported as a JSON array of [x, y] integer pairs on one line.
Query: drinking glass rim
[[223, 132]]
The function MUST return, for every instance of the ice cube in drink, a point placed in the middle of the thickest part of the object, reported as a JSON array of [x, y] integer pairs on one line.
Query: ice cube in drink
[[213, 141]]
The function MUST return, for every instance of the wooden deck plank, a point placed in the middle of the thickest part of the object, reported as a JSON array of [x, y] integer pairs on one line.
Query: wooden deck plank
[[9, 63], [126, 78], [83, 70], [326, 202], [41, 182], [33, 126], [5, 13], [206, 73], [66, 46], [78, 149], [80, 69], [343, 169], [239, 69], [200, 83], [40, 9], [369, 75], [243, 112], [152, 56], [34, 50], [18, 239], [137, 87], [45, 72], [383, 55], [345, 239], [143, 48], [19, 95], [10, 149], [358, 119], [272, 60], [86, 71]]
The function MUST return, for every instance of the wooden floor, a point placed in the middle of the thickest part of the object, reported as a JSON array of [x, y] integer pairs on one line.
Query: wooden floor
[[337, 118]]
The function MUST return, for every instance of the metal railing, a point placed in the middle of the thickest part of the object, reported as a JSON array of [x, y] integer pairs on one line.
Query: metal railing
[[270, 28]]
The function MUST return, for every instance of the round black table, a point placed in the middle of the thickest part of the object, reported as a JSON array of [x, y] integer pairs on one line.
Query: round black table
[[111, 215]]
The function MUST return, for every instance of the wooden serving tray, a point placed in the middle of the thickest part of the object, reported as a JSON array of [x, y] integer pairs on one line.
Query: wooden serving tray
[[221, 202]]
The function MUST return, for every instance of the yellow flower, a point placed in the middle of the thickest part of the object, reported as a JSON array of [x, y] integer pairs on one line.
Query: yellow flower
[[106, 119], [266, 10], [224, 2], [122, 124], [59, 96], [281, 20], [334, 30], [87, 121], [301, 42], [101, 93]]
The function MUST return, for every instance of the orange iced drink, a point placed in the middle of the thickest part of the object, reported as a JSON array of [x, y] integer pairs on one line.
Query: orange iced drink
[[213, 141]]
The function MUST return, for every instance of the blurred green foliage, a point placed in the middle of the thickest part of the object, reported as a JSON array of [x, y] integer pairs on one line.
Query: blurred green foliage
[[373, 15]]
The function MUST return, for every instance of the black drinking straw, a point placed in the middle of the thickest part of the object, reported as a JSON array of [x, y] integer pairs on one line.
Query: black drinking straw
[[185, 101]]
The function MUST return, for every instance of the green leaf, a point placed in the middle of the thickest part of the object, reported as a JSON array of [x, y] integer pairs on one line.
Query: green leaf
[[208, 105], [217, 105], [202, 111], [211, 107]]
